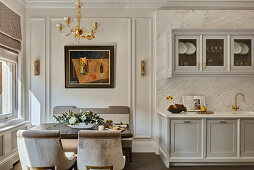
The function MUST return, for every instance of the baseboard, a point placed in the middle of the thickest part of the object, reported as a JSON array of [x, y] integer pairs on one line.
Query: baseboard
[[163, 156], [7, 162], [144, 145], [212, 164]]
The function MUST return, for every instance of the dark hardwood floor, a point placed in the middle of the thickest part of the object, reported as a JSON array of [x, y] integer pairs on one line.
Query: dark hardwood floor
[[150, 161]]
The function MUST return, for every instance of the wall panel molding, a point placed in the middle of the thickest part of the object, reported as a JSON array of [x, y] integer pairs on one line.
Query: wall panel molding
[[143, 91], [37, 50], [48, 72]]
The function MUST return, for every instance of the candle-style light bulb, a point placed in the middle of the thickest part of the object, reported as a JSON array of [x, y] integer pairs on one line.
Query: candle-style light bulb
[[67, 20], [59, 26]]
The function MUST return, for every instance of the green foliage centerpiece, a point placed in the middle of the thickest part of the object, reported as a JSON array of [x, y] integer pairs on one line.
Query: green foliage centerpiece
[[86, 119]]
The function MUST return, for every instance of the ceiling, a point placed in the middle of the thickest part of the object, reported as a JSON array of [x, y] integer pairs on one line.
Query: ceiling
[[139, 3]]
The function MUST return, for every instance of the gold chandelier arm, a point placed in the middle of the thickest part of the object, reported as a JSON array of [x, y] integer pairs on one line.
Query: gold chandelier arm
[[67, 34], [84, 30], [61, 30], [72, 30], [92, 31]]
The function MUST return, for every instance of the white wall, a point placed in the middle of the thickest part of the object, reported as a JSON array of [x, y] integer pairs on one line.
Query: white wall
[[130, 30]]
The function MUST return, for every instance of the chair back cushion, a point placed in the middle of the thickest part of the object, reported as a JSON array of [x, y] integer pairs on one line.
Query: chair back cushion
[[100, 148], [41, 148]]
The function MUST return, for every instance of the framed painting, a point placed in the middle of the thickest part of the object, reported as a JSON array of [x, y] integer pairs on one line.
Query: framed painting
[[89, 66]]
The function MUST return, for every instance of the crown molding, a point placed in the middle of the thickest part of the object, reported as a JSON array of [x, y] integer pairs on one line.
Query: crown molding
[[154, 4], [23, 2]]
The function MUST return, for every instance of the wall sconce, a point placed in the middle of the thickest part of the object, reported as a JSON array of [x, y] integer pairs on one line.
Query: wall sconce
[[37, 67], [143, 72]]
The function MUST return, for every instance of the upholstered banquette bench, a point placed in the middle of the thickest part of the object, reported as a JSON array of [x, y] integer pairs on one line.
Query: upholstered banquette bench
[[114, 113]]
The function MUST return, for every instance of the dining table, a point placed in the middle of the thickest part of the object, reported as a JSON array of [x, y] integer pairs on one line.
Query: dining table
[[67, 132]]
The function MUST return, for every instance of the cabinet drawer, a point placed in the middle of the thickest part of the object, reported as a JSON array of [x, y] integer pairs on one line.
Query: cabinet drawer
[[247, 138], [186, 138], [221, 138]]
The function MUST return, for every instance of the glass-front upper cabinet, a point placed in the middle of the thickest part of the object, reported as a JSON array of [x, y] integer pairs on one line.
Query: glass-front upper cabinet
[[214, 53], [211, 52], [187, 54], [241, 53]]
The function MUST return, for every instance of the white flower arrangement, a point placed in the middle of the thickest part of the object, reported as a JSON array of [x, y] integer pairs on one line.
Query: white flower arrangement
[[72, 118]]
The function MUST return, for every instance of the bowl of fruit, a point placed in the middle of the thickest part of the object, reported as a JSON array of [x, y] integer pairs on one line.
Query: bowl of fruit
[[177, 108]]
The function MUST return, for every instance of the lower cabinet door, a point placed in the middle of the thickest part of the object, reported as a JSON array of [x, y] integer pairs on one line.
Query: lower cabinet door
[[186, 138], [247, 138], [221, 138]]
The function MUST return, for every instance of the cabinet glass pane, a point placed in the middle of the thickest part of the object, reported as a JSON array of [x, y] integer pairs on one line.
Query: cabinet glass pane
[[187, 52], [242, 52], [214, 52]]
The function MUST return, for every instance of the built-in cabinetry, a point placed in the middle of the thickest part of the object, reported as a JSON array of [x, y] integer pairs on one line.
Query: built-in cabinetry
[[182, 131], [206, 140], [247, 138], [221, 138], [210, 52]]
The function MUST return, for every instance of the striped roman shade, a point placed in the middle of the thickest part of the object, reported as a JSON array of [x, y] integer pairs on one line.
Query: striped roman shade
[[10, 28]]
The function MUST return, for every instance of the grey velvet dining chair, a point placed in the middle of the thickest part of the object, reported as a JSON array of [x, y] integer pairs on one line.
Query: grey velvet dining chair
[[100, 150], [42, 148]]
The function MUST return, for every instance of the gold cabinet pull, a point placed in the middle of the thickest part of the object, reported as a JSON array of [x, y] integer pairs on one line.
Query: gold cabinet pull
[[198, 65], [223, 121], [143, 72], [205, 65], [186, 121]]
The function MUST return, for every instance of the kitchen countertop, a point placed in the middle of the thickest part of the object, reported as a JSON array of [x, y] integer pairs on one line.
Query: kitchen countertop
[[238, 114]]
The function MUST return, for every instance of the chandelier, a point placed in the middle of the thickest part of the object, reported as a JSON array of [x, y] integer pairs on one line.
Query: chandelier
[[78, 31]]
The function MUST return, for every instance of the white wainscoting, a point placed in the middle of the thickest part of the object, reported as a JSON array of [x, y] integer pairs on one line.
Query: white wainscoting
[[8, 144], [132, 37]]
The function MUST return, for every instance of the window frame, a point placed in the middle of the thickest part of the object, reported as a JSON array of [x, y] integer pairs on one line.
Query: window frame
[[14, 113]]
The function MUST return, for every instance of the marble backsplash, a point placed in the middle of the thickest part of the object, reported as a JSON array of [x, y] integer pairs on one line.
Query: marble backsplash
[[219, 91]]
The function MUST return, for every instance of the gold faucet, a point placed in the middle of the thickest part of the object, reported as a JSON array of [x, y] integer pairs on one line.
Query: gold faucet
[[235, 108]]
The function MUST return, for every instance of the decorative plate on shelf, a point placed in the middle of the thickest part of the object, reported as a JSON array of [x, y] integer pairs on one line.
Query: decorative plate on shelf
[[244, 48], [237, 48], [182, 48], [191, 49]]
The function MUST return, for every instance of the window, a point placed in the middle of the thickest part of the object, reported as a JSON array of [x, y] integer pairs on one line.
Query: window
[[8, 79]]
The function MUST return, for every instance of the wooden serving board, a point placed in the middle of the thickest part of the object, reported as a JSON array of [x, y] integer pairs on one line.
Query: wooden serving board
[[207, 112]]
